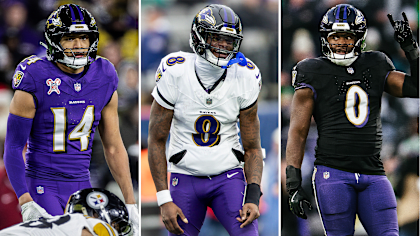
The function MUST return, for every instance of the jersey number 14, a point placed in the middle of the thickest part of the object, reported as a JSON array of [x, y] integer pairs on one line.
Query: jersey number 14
[[80, 132]]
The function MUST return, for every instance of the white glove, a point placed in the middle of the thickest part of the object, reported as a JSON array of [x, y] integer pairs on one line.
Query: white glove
[[32, 211], [133, 216]]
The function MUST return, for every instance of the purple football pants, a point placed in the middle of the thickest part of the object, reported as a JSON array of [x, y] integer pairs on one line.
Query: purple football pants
[[53, 195], [340, 195], [223, 193]]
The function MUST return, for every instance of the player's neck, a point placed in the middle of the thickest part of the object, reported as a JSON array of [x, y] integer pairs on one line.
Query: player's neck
[[69, 70], [207, 73]]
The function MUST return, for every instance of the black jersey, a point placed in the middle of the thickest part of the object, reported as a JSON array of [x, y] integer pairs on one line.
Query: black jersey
[[347, 110]]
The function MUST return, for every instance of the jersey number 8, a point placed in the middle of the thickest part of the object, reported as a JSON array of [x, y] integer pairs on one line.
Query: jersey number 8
[[207, 128]]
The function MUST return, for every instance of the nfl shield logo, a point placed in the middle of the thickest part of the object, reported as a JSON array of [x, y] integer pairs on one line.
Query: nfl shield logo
[[40, 190], [350, 70], [77, 87], [326, 175], [209, 101], [175, 181]]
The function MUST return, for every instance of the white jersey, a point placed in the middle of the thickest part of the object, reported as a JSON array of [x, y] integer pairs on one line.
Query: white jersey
[[65, 225], [204, 136]]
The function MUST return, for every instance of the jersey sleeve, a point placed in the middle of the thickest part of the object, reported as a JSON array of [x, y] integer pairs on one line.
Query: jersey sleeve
[[300, 77], [165, 92], [253, 83], [23, 80]]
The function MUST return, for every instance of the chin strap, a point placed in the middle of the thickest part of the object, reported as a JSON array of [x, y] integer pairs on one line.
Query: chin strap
[[240, 59]]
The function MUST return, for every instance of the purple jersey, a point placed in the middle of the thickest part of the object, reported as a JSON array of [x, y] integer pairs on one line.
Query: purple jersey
[[67, 113]]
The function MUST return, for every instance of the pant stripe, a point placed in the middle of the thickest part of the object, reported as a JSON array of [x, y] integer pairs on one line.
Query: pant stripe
[[316, 200]]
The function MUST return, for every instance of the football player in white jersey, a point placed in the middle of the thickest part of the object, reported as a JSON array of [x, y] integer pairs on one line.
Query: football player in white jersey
[[199, 98], [91, 211]]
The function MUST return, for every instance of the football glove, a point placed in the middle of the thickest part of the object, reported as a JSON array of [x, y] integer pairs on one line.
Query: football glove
[[297, 197], [403, 34], [133, 214], [32, 211]]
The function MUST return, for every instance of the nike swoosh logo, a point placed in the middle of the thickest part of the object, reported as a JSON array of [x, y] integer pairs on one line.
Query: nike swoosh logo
[[258, 75], [22, 67], [230, 175], [163, 68]]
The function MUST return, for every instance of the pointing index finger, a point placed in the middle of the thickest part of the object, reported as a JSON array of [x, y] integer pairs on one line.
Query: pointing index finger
[[391, 20], [405, 17]]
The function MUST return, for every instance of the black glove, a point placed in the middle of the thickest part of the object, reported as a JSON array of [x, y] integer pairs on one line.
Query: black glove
[[402, 34], [297, 197]]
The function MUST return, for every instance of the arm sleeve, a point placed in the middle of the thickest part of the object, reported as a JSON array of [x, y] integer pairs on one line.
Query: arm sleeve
[[18, 130]]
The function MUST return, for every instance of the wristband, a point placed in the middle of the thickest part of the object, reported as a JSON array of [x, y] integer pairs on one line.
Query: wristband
[[163, 197], [252, 194]]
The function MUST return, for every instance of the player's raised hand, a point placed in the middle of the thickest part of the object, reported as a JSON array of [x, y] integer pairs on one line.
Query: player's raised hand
[[32, 211], [248, 213], [402, 31], [170, 212]]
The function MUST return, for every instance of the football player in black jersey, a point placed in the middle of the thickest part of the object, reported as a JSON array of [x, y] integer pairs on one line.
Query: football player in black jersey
[[342, 91]]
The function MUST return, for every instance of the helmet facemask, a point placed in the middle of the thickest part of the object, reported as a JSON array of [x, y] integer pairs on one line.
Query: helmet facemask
[[352, 50]]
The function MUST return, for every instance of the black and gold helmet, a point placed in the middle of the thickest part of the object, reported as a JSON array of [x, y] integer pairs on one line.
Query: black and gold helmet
[[102, 204]]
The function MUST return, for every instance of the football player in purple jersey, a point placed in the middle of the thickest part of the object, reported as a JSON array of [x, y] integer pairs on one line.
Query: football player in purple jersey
[[59, 102], [342, 91]]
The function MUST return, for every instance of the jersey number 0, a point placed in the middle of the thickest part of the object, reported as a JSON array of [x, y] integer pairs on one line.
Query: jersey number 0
[[357, 106]]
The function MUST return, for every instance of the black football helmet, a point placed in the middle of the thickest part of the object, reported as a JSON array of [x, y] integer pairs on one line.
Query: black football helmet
[[102, 204], [70, 19], [343, 18], [216, 21]]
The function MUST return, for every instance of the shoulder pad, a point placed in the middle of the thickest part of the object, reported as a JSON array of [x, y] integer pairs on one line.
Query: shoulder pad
[[309, 65], [174, 64]]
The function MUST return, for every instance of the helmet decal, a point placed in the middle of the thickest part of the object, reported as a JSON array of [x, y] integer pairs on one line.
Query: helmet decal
[[96, 200], [206, 15], [54, 20], [360, 19]]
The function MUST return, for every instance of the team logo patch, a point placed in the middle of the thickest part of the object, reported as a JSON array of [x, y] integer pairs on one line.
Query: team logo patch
[[40, 190], [326, 175], [17, 78], [158, 74], [53, 85], [350, 70], [206, 15], [175, 181], [77, 87], [209, 101], [294, 74], [96, 200]]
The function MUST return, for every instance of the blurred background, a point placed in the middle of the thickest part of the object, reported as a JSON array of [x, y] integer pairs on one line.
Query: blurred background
[[165, 28], [22, 25], [400, 117]]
